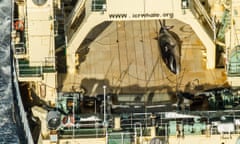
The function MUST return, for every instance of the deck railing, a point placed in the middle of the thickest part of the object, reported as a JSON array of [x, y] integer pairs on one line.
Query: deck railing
[[37, 69], [204, 18], [233, 69], [20, 49], [98, 5], [233, 64]]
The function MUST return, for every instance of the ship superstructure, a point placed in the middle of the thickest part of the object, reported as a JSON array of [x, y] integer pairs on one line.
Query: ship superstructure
[[94, 73]]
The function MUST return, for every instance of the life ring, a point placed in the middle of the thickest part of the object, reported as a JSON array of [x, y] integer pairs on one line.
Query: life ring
[[19, 25], [68, 121]]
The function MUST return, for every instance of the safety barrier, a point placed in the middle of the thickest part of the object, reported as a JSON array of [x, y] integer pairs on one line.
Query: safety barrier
[[203, 16], [24, 69]]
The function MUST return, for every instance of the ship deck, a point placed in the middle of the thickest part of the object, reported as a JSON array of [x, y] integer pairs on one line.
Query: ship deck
[[125, 56]]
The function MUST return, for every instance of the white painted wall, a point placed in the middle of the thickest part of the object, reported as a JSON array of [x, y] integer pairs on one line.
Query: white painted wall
[[40, 31]]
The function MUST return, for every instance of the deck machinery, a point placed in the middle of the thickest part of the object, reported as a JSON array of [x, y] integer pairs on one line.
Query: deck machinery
[[46, 35]]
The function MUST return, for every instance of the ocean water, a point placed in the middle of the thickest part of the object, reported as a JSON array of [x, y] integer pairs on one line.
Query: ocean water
[[8, 128]]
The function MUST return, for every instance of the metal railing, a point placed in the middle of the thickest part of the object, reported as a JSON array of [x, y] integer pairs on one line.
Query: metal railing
[[19, 49], [76, 19], [36, 69], [78, 9], [203, 17], [233, 64], [82, 132], [233, 69], [98, 5], [120, 138]]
